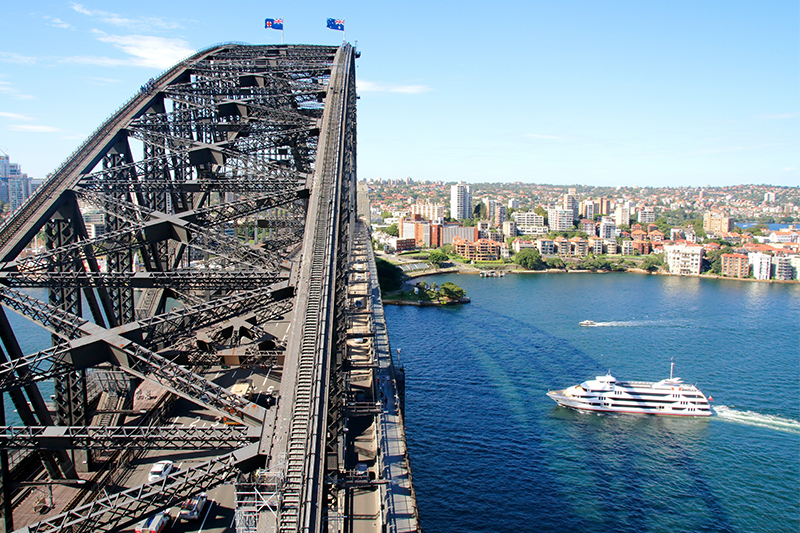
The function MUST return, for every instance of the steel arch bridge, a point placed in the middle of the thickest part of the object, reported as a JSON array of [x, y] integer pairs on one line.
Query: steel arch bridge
[[224, 194]]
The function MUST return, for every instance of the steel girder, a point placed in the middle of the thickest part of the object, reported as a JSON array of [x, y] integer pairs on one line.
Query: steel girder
[[128, 506], [126, 437], [229, 140]]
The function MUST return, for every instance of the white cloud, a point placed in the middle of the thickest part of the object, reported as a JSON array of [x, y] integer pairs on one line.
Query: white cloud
[[789, 169], [7, 88], [33, 128], [118, 20], [545, 137], [14, 116], [11, 57], [147, 50], [376, 87], [80, 9], [58, 23]]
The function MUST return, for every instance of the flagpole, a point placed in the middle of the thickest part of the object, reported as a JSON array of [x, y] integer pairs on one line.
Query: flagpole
[[281, 36]]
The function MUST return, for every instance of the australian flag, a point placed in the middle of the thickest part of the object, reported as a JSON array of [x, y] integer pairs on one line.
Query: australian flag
[[275, 24], [336, 24]]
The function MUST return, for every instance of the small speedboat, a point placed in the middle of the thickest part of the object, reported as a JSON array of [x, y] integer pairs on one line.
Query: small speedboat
[[587, 323]]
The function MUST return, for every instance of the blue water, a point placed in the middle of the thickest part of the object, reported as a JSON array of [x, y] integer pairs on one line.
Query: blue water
[[490, 452]]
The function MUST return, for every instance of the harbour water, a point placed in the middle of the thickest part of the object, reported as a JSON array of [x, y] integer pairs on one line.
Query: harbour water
[[491, 453]]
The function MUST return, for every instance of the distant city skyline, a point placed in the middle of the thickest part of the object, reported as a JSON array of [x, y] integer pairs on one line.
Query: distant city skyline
[[591, 93]]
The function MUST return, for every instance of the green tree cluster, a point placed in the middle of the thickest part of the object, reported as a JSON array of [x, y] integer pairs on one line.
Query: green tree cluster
[[451, 291], [437, 257], [390, 277], [529, 258]]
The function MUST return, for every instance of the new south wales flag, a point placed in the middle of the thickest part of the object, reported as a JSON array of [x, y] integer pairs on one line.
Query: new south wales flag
[[275, 24]]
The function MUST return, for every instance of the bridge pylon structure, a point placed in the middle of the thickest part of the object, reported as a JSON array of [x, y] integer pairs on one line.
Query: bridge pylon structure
[[198, 235]]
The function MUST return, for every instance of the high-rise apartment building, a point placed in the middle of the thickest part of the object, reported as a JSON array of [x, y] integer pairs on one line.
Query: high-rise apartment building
[[608, 228], [647, 215], [428, 211], [586, 209], [571, 203], [622, 215], [461, 201], [717, 223], [560, 219]]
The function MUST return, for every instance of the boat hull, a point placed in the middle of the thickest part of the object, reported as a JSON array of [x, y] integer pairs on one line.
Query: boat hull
[[595, 404]]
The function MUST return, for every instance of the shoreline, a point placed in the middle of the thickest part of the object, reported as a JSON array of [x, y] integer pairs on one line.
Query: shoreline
[[476, 271], [428, 303]]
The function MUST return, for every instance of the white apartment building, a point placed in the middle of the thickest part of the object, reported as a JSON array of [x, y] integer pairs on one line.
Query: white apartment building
[[571, 203], [782, 267], [428, 211], [627, 247], [608, 228], [560, 219], [528, 218], [647, 215], [684, 259], [761, 263], [513, 204], [461, 201], [622, 215], [586, 209]]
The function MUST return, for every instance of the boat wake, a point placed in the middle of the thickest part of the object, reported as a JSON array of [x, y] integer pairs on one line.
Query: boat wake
[[752, 418], [644, 323]]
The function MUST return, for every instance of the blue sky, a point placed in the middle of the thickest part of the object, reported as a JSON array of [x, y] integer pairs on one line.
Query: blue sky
[[589, 92]]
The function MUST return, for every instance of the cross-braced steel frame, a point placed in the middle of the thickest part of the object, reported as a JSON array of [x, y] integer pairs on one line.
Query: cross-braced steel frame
[[219, 199]]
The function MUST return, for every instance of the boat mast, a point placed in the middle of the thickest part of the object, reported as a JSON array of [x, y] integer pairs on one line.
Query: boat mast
[[671, 365]]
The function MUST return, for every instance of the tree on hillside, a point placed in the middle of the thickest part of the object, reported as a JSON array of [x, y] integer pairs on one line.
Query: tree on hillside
[[541, 211], [653, 262], [392, 230], [480, 211], [529, 258], [437, 257], [555, 262]]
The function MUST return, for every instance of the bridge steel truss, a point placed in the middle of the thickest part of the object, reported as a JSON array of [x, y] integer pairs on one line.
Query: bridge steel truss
[[226, 190]]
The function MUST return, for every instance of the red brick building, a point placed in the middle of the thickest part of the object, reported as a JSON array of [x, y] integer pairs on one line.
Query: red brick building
[[735, 265], [480, 250]]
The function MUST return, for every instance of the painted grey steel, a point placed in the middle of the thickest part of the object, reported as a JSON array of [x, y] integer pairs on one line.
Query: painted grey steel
[[244, 185]]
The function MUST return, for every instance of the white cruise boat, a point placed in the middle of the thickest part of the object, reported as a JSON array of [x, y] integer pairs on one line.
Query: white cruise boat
[[605, 394]]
